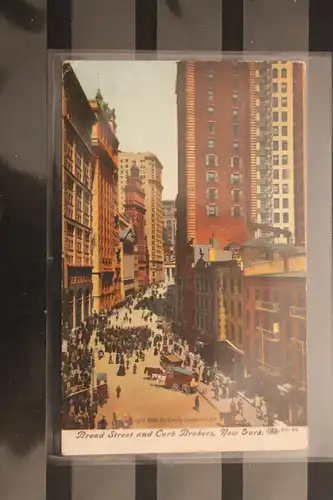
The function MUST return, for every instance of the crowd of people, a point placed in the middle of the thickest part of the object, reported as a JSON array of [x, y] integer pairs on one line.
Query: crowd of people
[[125, 345]]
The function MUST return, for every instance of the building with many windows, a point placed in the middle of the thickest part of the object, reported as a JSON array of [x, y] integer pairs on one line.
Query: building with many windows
[[135, 210], [106, 259], [150, 171], [77, 187], [274, 294]]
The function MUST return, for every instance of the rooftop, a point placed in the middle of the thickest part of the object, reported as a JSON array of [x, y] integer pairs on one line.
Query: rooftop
[[296, 274]]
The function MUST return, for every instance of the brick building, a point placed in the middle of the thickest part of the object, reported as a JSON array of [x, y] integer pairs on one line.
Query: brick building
[[274, 294], [77, 185], [135, 210], [106, 258]]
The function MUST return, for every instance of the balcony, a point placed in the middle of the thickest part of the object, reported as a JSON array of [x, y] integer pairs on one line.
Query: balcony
[[267, 306], [298, 312], [268, 335], [299, 345]]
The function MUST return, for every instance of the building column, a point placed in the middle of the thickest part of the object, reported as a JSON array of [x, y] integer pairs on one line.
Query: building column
[[73, 306]]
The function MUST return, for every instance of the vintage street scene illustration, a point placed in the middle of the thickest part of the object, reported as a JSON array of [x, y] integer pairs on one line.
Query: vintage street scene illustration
[[184, 245]]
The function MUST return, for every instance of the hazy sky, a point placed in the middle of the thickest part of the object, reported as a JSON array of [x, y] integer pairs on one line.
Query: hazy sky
[[143, 94]]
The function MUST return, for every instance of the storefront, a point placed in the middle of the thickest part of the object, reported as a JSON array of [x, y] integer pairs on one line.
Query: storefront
[[79, 295], [230, 360]]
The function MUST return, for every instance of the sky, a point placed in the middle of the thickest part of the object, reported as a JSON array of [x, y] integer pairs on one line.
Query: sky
[[143, 94]]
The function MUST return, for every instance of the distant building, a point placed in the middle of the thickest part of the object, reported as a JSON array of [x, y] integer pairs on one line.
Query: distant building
[[129, 258], [169, 222], [172, 302], [150, 172], [135, 209], [77, 179]]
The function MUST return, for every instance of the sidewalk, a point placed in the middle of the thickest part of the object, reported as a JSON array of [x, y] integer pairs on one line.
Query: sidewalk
[[223, 405]]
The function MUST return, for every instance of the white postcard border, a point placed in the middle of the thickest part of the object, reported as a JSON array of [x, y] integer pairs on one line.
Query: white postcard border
[[183, 440]]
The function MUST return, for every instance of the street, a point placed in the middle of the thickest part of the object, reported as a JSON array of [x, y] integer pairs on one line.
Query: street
[[149, 404]]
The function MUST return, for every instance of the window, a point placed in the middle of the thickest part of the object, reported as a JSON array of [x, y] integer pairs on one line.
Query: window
[[275, 102], [211, 160], [235, 162], [284, 116], [275, 145], [275, 130], [236, 195], [210, 75], [284, 102], [235, 115], [211, 176], [211, 143], [276, 174], [285, 174], [275, 87], [235, 81], [212, 193], [236, 212], [210, 95], [236, 179], [284, 87], [235, 146], [284, 145], [276, 218], [285, 203], [284, 159], [275, 73], [275, 159], [210, 109], [285, 218], [276, 189], [285, 188], [284, 73], [276, 203], [211, 127], [284, 130], [236, 129], [275, 116], [212, 210], [235, 98]]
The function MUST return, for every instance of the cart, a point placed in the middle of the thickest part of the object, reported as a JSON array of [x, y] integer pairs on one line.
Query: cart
[[180, 379]]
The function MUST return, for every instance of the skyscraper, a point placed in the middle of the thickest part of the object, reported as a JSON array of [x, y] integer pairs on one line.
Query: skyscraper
[[150, 170], [135, 210], [240, 151], [241, 158], [106, 259], [77, 179]]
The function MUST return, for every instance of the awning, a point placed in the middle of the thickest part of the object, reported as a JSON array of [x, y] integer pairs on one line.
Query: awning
[[231, 345]]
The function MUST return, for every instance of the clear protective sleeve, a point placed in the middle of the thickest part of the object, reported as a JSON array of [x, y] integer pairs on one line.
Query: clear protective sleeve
[[318, 244]]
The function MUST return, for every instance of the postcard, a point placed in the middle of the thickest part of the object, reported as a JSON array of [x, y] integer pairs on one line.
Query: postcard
[[184, 256]]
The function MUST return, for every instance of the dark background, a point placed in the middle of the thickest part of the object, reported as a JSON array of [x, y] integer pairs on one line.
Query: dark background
[[27, 30]]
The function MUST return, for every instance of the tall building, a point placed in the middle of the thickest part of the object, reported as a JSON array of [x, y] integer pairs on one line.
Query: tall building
[[135, 209], [213, 161], [150, 171], [169, 221], [77, 185], [241, 154], [106, 258], [278, 149]]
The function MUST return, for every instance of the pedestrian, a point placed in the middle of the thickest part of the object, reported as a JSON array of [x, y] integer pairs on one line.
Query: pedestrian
[[118, 391], [240, 407], [127, 364], [196, 403], [103, 423], [110, 359]]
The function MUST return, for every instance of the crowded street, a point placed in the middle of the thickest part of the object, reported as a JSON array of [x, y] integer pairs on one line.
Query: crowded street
[[119, 364]]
